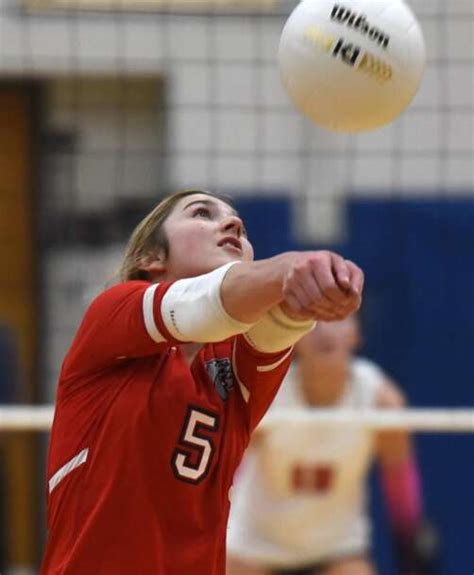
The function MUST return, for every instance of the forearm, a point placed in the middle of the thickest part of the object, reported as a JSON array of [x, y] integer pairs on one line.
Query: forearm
[[402, 493], [250, 289], [224, 302], [276, 331], [403, 496], [402, 489], [400, 480]]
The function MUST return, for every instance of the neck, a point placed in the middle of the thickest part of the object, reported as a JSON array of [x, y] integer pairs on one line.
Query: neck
[[328, 390]]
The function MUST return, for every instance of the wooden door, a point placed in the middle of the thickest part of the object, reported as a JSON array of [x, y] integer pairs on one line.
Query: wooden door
[[18, 314]]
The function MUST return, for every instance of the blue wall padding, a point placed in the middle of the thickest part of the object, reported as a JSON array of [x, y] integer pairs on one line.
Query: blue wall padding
[[418, 316]]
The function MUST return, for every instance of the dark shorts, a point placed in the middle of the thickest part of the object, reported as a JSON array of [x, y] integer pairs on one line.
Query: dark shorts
[[316, 568]]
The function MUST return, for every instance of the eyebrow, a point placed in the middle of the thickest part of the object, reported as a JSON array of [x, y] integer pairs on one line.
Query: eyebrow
[[209, 203]]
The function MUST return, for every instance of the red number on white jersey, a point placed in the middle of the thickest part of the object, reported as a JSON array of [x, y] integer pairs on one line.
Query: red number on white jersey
[[313, 478]]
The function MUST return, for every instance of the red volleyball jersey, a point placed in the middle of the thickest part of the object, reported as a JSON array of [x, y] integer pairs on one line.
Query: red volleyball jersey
[[144, 446]]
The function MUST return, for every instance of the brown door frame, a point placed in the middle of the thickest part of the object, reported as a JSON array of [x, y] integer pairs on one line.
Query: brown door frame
[[20, 451]]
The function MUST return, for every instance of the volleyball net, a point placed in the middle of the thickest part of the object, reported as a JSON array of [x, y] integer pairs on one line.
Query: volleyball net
[[40, 418]]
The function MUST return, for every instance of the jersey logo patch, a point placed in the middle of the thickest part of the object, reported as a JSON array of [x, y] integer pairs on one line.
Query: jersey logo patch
[[221, 375]]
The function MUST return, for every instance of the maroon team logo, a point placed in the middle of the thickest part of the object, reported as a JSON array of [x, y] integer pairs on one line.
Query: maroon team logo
[[221, 375]]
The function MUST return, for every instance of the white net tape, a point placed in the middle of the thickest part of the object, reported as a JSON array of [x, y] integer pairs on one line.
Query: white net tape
[[445, 420], [26, 418], [39, 418]]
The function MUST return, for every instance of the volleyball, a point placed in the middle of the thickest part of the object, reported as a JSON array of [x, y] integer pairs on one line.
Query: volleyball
[[353, 65]]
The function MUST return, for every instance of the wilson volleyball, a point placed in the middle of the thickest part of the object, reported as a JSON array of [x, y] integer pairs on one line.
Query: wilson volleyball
[[351, 66]]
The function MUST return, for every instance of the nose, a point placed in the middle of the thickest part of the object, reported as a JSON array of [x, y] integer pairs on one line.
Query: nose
[[234, 224]]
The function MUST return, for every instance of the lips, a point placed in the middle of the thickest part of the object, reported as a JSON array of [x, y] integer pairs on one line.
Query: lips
[[230, 241]]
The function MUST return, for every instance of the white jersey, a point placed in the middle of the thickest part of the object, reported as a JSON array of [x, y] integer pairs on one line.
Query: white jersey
[[299, 496]]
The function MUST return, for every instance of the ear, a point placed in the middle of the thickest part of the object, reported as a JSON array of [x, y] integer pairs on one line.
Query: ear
[[153, 265]]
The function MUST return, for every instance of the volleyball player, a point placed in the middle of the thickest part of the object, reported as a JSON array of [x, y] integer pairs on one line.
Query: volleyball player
[[168, 375], [299, 502]]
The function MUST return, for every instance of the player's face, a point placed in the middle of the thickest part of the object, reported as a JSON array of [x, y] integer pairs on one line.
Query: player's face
[[203, 233]]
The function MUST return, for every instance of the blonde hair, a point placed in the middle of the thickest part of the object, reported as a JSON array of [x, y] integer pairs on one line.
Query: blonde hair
[[148, 237]]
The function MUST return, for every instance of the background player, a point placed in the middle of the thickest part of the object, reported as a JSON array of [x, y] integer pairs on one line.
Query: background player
[[168, 375], [299, 501]]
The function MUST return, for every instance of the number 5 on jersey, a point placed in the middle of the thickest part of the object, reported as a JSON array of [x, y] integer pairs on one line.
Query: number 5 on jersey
[[192, 459]]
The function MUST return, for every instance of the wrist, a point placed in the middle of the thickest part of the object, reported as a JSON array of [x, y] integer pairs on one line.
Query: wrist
[[294, 315], [250, 289]]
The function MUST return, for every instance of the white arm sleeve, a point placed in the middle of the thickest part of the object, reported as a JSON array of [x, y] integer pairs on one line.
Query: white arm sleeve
[[192, 309], [276, 331]]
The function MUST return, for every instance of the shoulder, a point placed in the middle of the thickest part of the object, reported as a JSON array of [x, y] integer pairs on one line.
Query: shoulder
[[118, 293], [370, 384], [387, 393], [365, 368], [390, 395], [120, 290], [366, 378]]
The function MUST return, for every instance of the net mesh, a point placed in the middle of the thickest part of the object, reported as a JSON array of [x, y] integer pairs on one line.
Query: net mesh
[[139, 103], [136, 103]]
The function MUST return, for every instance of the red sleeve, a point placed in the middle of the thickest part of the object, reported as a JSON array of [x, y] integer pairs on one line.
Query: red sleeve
[[114, 327], [259, 376]]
